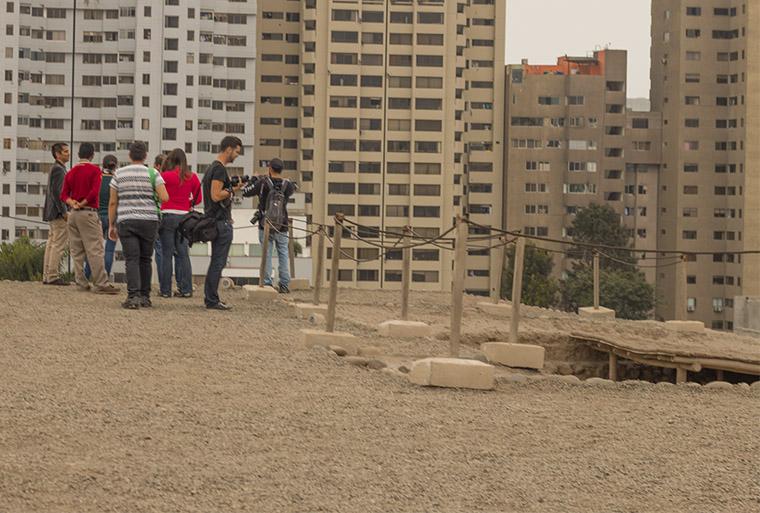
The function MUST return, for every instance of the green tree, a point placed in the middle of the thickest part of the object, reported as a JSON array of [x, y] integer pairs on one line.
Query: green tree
[[21, 260], [622, 286], [538, 287]]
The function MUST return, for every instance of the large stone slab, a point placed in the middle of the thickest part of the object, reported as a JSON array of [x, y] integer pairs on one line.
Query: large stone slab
[[497, 310], [404, 329], [686, 326], [589, 312], [259, 294], [514, 355], [452, 373], [299, 284], [311, 338], [304, 310]]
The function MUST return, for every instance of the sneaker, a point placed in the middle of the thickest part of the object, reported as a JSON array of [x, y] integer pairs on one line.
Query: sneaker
[[177, 293], [219, 306], [108, 289], [57, 281], [283, 289], [145, 302], [165, 295], [83, 288], [131, 304]]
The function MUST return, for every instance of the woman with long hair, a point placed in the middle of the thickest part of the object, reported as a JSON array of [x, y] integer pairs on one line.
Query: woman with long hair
[[184, 190]]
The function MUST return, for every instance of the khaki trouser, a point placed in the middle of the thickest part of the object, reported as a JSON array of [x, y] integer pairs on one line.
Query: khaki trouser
[[86, 241], [58, 237]]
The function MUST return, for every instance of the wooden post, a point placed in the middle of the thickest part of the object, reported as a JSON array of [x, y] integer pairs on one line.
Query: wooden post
[[291, 252], [334, 271], [264, 253], [683, 287], [497, 254], [457, 291], [320, 272], [596, 280], [613, 366], [681, 375], [719, 376], [406, 274], [517, 279]]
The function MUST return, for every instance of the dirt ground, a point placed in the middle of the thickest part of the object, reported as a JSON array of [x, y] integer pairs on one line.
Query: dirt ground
[[182, 409]]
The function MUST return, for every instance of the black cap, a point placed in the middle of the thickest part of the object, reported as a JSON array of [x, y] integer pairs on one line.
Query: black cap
[[276, 164]]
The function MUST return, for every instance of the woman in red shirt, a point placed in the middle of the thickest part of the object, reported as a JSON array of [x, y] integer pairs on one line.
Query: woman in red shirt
[[184, 190]]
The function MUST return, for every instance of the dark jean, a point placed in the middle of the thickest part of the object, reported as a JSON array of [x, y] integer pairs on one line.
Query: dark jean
[[220, 249], [110, 248], [137, 239], [177, 252]]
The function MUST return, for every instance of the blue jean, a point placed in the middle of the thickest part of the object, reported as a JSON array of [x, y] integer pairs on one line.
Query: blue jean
[[220, 249], [172, 251], [159, 261], [279, 239], [110, 249]]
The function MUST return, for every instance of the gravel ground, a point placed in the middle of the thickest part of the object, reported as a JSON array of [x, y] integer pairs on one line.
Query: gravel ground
[[180, 409]]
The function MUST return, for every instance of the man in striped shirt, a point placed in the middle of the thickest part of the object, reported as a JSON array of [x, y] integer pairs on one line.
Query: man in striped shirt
[[133, 215]]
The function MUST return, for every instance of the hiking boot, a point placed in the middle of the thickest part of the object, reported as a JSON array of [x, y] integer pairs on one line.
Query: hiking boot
[[132, 303], [145, 302], [219, 306], [108, 289], [283, 289]]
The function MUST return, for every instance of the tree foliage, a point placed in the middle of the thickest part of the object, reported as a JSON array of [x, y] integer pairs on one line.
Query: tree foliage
[[21, 260], [538, 288], [622, 286]]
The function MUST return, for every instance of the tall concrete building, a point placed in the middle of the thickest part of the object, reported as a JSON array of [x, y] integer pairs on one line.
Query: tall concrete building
[[706, 81], [571, 142], [173, 74], [385, 108]]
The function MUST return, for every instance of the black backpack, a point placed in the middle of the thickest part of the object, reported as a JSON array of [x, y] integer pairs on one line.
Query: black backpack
[[196, 227], [275, 209]]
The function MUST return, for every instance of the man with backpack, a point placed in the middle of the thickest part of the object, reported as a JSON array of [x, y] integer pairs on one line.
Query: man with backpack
[[274, 192]]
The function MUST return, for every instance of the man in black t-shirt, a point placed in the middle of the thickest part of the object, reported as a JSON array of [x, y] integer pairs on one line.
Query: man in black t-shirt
[[217, 203]]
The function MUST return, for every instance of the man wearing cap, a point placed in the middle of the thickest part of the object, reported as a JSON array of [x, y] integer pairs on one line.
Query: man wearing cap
[[81, 191], [261, 187]]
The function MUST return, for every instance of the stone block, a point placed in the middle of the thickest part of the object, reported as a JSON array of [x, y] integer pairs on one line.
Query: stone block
[[724, 385], [404, 329], [452, 373], [326, 339], [259, 294], [686, 326], [368, 351], [589, 312], [497, 310], [515, 355], [304, 310], [299, 284]]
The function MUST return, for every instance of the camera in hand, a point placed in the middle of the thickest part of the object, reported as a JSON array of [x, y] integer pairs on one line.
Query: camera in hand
[[235, 180], [256, 217]]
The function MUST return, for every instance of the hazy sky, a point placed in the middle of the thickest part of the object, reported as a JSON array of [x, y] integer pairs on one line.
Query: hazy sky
[[542, 30]]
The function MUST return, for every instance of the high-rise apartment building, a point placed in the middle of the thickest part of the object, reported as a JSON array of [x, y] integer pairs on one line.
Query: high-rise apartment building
[[173, 74], [386, 108], [571, 142], [706, 81]]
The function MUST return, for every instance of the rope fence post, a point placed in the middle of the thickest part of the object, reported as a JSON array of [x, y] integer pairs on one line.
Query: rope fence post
[[457, 292], [497, 270], [517, 279], [682, 287], [291, 251], [596, 280], [334, 270], [406, 276], [320, 271], [264, 254]]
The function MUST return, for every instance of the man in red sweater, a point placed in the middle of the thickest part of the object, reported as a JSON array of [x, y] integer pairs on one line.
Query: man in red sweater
[[80, 192]]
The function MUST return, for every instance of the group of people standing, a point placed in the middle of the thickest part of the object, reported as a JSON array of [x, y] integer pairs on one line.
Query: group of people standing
[[90, 208]]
